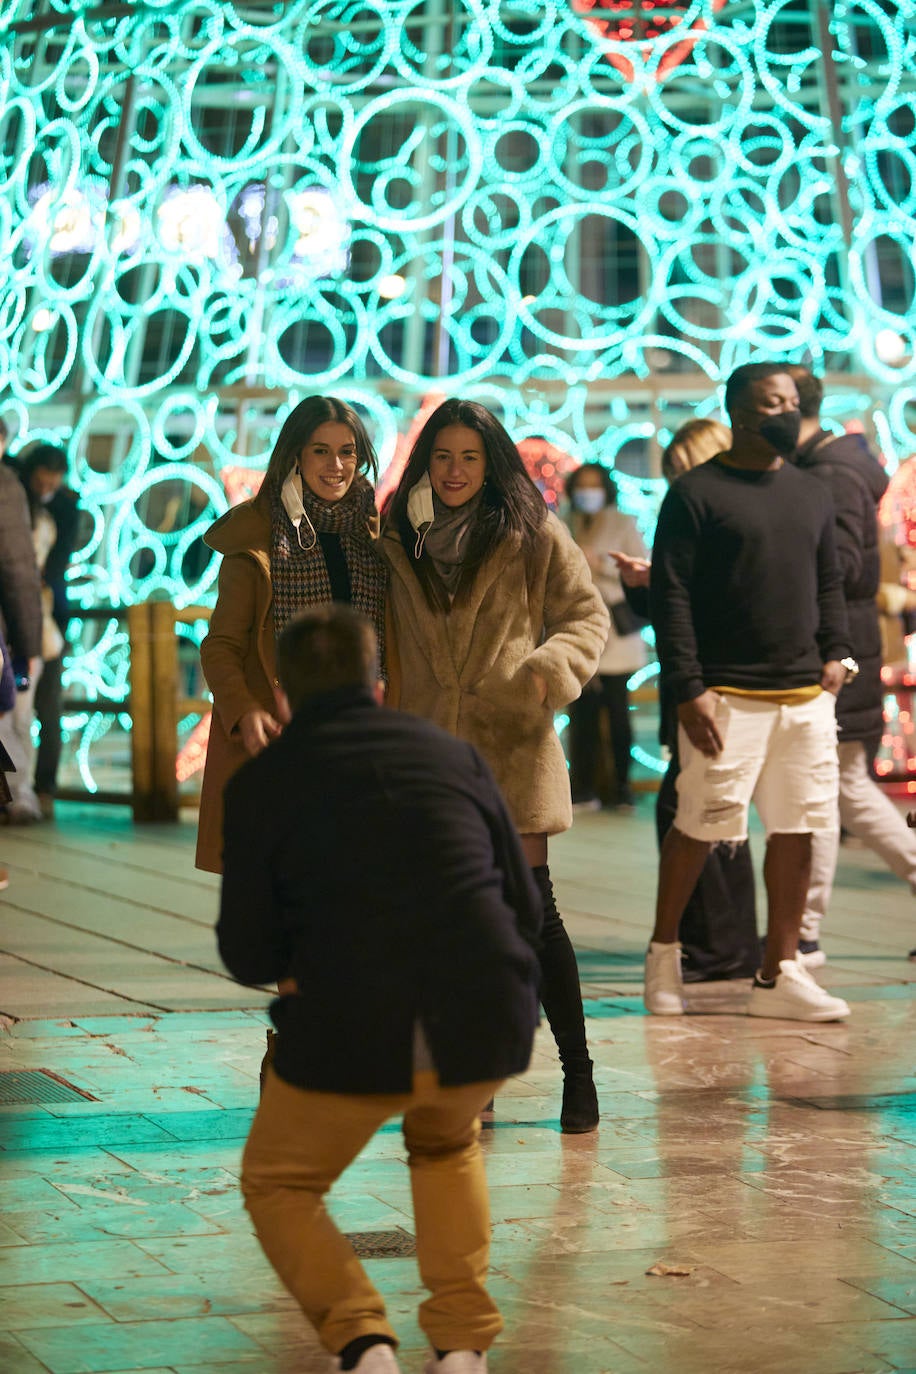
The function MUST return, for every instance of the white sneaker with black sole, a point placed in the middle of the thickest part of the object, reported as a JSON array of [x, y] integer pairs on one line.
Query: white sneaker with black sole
[[794, 996], [663, 994]]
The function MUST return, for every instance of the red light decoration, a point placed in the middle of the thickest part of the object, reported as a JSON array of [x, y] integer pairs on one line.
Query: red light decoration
[[639, 22]]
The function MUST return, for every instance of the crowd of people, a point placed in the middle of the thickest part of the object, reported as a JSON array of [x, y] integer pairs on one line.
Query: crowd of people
[[404, 909], [399, 677]]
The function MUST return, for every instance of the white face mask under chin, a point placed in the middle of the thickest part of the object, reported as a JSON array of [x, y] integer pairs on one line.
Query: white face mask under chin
[[420, 510], [291, 497]]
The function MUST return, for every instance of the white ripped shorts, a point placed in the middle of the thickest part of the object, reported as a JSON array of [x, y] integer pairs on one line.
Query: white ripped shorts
[[783, 758]]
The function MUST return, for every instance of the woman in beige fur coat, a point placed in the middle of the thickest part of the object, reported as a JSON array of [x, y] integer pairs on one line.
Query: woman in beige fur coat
[[497, 625]]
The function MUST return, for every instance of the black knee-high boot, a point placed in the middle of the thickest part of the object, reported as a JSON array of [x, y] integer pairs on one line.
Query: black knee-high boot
[[561, 998]]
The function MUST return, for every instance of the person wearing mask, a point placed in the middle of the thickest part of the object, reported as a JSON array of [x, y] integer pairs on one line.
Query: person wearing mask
[[498, 625], [753, 642], [718, 930], [598, 526], [306, 539]]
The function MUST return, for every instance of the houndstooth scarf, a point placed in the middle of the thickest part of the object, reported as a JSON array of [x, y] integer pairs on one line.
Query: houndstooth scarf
[[299, 575]]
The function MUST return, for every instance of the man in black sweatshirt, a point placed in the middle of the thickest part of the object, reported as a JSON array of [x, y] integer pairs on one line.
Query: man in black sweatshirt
[[751, 628], [856, 482]]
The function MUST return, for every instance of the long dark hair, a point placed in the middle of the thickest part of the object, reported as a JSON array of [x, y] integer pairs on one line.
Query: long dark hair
[[510, 503], [299, 426]]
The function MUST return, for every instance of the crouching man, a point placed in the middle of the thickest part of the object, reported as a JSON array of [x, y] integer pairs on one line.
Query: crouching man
[[369, 859]]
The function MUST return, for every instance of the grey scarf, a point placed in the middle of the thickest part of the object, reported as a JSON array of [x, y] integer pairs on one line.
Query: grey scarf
[[447, 539]]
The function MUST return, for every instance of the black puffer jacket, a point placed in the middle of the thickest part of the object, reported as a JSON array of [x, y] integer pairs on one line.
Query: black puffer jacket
[[857, 482]]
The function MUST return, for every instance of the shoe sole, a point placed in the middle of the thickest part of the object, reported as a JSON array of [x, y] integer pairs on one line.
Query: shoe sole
[[814, 1017], [666, 1011]]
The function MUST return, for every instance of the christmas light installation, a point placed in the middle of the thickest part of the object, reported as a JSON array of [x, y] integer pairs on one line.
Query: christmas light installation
[[583, 214]]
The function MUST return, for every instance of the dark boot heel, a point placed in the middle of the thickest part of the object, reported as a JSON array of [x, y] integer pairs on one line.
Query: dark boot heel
[[267, 1060], [580, 1100]]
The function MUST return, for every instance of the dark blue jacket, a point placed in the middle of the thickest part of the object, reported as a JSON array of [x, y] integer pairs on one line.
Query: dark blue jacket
[[370, 856]]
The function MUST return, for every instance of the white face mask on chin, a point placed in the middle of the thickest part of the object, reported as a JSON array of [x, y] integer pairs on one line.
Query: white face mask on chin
[[420, 510], [291, 497]]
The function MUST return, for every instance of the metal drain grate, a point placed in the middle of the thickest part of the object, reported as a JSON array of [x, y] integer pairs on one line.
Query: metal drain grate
[[20, 1086], [382, 1244]]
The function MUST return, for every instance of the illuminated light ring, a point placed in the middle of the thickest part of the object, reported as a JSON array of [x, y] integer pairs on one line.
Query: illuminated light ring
[[628, 177], [497, 167], [88, 58], [897, 43], [640, 307], [733, 105], [176, 404], [15, 105], [533, 11], [797, 63], [492, 238], [341, 74], [902, 398], [13, 307], [30, 381], [683, 226], [495, 288], [284, 122], [106, 487], [381, 216], [882, 142], [123, 330], [754, 140], [315, 310], [413, 73]]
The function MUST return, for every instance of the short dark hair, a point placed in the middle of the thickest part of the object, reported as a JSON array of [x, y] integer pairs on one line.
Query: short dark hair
[[607, 481], [299, 426], [810, 389], [4, 429], [323, 648], [742, 379], [47, 456]]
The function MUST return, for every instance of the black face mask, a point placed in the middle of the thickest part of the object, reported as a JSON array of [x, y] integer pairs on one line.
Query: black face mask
[[781, 430]]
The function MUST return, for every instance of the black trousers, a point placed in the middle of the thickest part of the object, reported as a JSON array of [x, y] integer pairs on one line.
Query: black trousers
[[47, 712], [718, 930], [561, 992], [607, 695]]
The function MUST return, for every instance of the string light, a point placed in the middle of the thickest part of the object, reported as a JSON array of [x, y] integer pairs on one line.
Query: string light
[[514, 201]]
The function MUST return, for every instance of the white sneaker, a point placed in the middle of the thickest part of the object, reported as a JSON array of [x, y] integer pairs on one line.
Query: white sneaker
[[456, 1362], [378, 1359], [664, 990], [795, 997]]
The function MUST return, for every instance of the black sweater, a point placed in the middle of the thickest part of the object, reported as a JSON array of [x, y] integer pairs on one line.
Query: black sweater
[[746, 589]]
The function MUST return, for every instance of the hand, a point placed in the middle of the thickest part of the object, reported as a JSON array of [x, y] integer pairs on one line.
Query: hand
[[634, 572], [698, 718], [833, 676], [541, 685], [257, 728], [287, 987]]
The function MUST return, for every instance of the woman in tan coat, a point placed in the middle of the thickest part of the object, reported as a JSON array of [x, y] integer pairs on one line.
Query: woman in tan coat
[[307, 538], [497, 625]]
